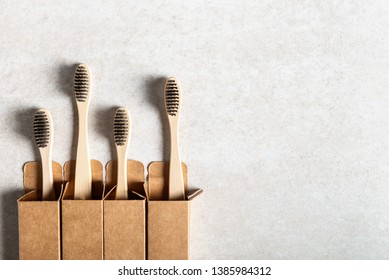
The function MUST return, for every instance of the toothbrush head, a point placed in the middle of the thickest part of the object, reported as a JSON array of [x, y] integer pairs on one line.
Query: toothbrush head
[[121, 126], [172, 97], [42, 128], [82, 83]]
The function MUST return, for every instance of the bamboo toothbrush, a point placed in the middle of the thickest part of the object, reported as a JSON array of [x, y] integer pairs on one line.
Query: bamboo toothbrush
[[121, 133], [83, 175], [173, 101], [43, 133]]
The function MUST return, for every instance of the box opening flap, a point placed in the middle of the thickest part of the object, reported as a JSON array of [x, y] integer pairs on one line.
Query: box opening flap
[[135, 179], [158, 181], [97, 179], [32, 179], [131, 196]]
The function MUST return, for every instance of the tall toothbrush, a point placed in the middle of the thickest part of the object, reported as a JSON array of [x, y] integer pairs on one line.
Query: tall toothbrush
[[173, 101], [83, 175], [121, 133], [43, 134]]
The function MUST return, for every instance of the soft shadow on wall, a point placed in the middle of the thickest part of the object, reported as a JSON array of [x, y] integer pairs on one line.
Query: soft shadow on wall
[[9, 208], [155, 86]]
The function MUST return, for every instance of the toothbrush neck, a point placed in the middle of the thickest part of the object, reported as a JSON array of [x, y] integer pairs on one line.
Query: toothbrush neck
[[174, 142]]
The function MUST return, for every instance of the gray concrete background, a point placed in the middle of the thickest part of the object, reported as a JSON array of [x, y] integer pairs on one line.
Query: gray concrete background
[[285, 120]]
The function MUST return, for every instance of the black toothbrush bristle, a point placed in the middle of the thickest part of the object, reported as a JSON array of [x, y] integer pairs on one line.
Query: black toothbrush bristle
[[81, 83], [172, 96], [41, 129], [120, 127]]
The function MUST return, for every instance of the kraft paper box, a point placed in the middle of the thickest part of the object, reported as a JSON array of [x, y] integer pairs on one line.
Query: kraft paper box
[[82, 220], [125, 220], [39, 221], [167, 221]]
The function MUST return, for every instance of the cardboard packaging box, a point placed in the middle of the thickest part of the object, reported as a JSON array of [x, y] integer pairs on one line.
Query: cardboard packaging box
[[167, 221], [82, 220], [125, 220], [39, 221]]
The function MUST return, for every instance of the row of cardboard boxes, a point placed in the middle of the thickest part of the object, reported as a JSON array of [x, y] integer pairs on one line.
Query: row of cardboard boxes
[[146, 226]]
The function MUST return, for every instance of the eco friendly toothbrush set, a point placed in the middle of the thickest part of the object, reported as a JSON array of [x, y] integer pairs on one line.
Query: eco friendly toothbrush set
[[72, 212]]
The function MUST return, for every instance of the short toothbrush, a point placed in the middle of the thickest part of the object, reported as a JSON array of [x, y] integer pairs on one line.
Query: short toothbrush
[[83, 175], [121, 133], [173, 101], [43, 134]]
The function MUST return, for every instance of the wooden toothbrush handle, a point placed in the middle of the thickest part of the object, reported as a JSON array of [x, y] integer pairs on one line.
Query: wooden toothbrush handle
[[176, 179], [47, 175], [83, 175], [122, 184]]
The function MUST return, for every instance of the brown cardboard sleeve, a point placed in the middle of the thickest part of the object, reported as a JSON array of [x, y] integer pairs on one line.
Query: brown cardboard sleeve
[[125, 220], [39, 221], [167, 221], [82, 220]]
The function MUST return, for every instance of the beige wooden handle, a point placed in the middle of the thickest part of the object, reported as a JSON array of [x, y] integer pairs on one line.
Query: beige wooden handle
[[83, 175], [176, 178], [122, 184], [47, 174]]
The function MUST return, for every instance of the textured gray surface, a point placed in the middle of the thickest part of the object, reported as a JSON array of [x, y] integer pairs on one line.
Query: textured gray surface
[[285, 120]]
